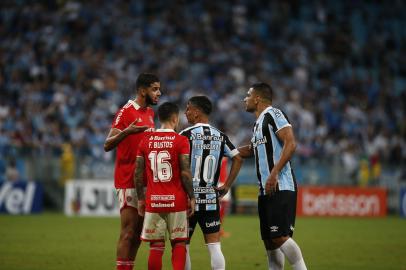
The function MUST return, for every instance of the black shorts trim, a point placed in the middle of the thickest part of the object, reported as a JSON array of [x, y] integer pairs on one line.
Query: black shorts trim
[[277, 214]]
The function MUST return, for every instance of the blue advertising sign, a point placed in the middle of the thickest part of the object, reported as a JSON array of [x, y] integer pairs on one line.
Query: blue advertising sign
[[402, 207], [21, 197]]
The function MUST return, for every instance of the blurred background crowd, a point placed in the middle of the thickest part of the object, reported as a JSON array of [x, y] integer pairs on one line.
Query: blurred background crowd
[[338, 69]]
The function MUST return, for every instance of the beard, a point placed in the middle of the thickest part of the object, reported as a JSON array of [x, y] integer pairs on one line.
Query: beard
[[149, 101], [250, 110]]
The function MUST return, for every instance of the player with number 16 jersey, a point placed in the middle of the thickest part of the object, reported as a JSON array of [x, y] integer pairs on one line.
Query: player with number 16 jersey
[[161, 150]]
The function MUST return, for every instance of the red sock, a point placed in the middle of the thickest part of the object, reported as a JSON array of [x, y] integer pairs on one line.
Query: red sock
[[178, 257], [124, 264], [156, 251]]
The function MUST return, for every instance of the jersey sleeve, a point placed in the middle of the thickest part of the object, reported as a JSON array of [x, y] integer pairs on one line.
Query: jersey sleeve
[[279, 119], [141, 149], [120, 120], [229, 148]]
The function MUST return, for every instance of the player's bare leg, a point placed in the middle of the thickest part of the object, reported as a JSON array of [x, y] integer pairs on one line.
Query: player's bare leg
[[216, 256], [284, 245], [129, 240], [224, 206]]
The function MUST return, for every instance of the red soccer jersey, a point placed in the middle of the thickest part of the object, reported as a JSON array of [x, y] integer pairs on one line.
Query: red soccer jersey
[[127, 148], [161, 150]]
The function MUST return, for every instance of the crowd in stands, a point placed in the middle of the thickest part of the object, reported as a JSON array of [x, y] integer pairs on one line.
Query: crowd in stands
[[338, 69]]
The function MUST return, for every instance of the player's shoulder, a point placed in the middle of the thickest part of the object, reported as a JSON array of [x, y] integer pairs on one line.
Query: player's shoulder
[[128, 105], [149, 110], [180, 137], [126, 110], [187, 130], [213, 128], [275, 112], [183, 137]]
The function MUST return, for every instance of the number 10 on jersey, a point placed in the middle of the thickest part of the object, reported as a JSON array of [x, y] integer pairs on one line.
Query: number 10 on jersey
[[209, 168]]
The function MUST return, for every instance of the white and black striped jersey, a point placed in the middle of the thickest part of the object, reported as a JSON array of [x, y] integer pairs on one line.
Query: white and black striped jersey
[[208, 145], [267, 148]]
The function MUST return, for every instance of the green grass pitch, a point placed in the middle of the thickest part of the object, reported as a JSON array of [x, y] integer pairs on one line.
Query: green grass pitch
[[53, 241]]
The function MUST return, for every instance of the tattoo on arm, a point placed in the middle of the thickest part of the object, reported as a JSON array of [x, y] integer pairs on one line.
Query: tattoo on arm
[[138, 177], [186, 175]]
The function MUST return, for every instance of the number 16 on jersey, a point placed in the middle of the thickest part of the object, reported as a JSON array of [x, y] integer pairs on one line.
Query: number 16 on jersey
[[160, 166]]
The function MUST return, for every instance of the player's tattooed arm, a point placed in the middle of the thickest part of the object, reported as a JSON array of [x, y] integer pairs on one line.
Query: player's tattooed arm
[[138, 177], [186, 175]]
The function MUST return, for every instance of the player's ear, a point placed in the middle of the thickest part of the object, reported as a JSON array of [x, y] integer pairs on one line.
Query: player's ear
[[176, 119], [142, 91], [257, 98]]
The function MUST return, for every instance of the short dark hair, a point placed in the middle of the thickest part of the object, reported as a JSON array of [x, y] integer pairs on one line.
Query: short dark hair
[[203, 103], [145, 80], [264, 90], [166, 110]]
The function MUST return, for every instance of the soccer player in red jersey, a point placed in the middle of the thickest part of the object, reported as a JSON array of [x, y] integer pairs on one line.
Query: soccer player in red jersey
[[127, 130], [163, 157]]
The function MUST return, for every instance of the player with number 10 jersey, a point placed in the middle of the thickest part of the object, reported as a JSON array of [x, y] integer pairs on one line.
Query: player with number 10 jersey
[[208, 145]]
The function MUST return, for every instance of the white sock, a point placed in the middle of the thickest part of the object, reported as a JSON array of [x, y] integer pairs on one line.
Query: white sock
[[276, 259], [188, 264], [216, 256], [292, 252]]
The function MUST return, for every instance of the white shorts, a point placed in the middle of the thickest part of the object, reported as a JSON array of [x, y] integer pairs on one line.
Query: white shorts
[[157, 224], [127, 197]]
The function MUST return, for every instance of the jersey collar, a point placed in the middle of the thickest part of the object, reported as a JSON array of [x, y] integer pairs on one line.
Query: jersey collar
[[264, 112], [165, 130], [201, 124], [135, 104]]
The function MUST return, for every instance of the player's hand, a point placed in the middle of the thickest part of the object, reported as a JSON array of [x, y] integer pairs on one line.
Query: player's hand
[[192, 205], [271, 185], [133, 128], [222, 190], [141, 208]]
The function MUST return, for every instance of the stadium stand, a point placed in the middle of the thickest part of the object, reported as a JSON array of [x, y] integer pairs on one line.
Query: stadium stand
[[338, 69]]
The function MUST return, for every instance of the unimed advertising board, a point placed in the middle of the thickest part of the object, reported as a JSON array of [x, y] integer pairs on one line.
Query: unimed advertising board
[[339, 201], [90, 198]]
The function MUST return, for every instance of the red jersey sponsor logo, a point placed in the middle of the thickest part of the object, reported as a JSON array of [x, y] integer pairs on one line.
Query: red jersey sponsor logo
[[163, 205], [163, 197]]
